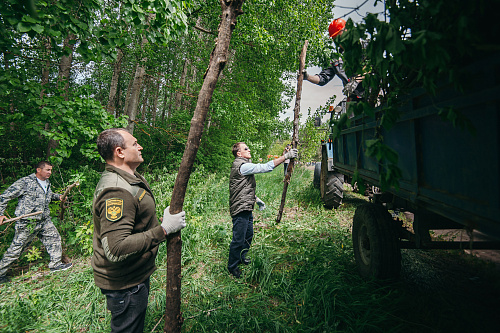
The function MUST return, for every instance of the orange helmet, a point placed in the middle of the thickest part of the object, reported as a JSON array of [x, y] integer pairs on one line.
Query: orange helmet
[[336, 27]]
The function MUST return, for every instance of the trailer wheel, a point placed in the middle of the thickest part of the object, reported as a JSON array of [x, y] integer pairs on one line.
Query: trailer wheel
[[331, 185], [333, 190], [375, 242], [317, 175]]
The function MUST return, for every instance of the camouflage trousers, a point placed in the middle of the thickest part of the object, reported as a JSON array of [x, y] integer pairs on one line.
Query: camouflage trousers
[[26, 231]]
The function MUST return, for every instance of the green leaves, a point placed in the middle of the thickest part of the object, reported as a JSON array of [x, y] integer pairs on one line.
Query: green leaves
[[376, 148], [74, 123], [394, 44], [457, 119], [387, 157], [423, 44], [23, 27]]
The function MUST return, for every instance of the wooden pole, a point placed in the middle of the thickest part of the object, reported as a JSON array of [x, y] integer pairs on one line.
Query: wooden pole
[[20, 217], [230, 11], [65, 194], [295, 137]]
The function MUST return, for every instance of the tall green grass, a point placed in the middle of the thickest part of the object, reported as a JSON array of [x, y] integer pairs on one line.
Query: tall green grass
[[302, 277]]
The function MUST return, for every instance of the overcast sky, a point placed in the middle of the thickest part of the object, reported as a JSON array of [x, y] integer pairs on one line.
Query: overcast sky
[[314, 96]]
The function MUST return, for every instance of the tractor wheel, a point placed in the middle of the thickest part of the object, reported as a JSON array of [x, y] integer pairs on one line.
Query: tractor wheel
[[333, 189], [317, 175], [331, 185], [376, 242]]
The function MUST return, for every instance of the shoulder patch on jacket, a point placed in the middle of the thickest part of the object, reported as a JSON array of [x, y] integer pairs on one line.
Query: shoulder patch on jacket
[[142, 195], [114, 209]]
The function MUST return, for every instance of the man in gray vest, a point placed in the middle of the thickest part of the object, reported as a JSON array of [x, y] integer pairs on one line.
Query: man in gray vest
[[127, 233], [242, 199], [34, 194]]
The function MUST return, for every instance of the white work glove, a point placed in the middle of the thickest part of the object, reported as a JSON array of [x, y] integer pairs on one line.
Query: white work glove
[[305, 75], [291, 154], [261, 204], [173, 223]]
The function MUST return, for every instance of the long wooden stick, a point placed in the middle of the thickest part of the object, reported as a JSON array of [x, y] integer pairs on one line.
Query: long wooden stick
[[230, 11], [295, 137], [20, 217], [65, 194]]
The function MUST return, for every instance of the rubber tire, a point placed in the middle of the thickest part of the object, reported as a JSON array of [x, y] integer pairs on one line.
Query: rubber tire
[[333, 190], [331, 184], [375, 242], [317, 175]]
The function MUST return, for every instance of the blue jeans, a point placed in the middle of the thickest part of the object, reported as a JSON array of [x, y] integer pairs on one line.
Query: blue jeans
[[128, 308], [242, 238]]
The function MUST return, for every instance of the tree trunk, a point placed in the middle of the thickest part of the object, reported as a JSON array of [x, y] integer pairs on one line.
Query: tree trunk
[[135, 92], [136, 86], [230, 11], [182, 84], [164, 111], [145, 98], [119, 109], [111, 107], [295, 137], [155, 101], [128, 93], [65, 65], [64, 73], [46, 67]]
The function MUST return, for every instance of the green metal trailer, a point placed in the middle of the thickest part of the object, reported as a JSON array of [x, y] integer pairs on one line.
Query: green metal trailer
[[450, 176]]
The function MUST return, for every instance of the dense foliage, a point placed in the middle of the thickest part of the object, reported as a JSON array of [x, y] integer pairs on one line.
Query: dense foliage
[[421, 44], [75, 67], [302, 277], [72, 68]]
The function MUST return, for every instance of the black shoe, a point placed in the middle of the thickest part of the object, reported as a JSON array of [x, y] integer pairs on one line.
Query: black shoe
[[247, 261], [4, 279], [61, 267], [236, 272]]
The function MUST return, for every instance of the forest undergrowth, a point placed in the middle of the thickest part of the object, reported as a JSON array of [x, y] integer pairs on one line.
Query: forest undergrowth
[[302, 276]]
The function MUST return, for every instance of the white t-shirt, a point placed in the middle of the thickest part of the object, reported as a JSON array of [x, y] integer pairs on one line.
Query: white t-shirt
[[43, 183]]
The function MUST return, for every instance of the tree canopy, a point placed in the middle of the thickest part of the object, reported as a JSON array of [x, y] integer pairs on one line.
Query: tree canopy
[[72, 68]]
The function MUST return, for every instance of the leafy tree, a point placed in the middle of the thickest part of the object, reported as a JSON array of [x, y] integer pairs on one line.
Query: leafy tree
[[37, 37], [423, 44]]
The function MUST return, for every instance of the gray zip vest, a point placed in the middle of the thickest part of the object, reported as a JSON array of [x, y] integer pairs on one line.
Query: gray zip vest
[[241, 188]]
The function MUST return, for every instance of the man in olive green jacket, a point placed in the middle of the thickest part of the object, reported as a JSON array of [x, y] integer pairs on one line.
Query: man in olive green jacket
[[126, 231]]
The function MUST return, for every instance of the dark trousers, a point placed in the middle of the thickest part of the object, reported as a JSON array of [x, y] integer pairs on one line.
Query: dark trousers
[[128, 308], [242, 238]]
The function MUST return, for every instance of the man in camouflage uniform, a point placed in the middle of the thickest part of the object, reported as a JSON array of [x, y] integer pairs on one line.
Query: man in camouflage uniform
[[127, 233], [34, 194]]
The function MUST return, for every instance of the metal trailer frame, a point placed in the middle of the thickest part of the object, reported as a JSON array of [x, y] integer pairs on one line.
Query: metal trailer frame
[[450, 176]]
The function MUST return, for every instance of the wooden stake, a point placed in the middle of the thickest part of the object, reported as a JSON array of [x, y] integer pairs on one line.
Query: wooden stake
[[231, 9], [295, 137], [65, 194], [21, 217]]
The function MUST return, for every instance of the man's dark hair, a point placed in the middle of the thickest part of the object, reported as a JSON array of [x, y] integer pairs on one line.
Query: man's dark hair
[[42, 164], [236, 148], [108, 140]]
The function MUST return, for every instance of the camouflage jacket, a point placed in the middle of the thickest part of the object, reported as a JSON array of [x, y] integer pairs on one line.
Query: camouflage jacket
[[32, 197]]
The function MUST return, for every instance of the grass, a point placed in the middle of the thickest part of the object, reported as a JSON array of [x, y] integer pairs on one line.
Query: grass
[[302, 277]]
